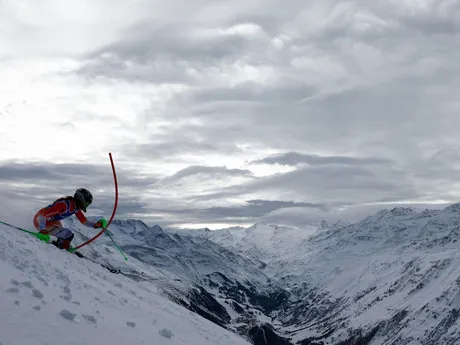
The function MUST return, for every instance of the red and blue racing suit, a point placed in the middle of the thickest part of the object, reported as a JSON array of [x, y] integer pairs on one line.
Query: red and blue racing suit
[[48, 220]]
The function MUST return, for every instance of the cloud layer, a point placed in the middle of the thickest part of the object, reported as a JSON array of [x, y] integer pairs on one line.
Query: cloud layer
[[222, 115]]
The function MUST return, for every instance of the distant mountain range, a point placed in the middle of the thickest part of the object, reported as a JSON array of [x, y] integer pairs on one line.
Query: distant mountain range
[[392, 278]]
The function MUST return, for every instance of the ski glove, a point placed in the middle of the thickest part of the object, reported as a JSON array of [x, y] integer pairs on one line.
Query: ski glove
[[44, 237], [101, 223]]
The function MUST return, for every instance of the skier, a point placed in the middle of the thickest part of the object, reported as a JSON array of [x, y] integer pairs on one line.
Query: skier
[[48, 219]]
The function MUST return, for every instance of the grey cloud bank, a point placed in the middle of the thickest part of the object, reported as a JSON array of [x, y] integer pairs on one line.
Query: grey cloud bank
[[262, 110], [295, 158]]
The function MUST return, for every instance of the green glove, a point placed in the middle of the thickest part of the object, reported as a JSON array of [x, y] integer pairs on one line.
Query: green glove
[[43, 237], [101, 223]]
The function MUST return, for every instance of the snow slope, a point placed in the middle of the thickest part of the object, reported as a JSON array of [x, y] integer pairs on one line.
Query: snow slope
[[49, 297]]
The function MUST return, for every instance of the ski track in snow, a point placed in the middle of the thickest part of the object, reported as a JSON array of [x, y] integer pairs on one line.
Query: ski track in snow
[[48, 296]]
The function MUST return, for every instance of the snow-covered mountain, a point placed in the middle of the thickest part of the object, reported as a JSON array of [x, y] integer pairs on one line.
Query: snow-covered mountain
[[223, 286], [391, 279], [51, 297]]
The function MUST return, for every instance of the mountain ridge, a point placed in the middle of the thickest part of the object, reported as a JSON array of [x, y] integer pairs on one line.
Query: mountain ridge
[[390, 278]]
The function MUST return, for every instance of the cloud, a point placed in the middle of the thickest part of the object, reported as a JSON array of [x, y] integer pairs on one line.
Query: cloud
[[246, 213], [206, 106], [161, 147], [256, 208], [336, 186], [204, 170], [24, 172], [83, 173], [29, 187], [295, 158], [303, 216]]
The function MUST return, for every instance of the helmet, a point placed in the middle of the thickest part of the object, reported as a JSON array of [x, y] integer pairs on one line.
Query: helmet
[[83, 198]]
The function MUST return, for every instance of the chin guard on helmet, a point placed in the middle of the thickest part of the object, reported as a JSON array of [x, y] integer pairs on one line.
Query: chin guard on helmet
[[83, 198]]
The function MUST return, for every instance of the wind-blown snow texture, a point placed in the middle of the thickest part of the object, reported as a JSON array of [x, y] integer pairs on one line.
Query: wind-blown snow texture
[[49, 297], [391, 279]]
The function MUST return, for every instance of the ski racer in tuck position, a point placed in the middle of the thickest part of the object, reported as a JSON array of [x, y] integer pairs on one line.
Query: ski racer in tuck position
[[48, 219]]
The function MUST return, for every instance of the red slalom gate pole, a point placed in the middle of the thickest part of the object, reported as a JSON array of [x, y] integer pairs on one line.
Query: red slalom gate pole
[[114, 207]]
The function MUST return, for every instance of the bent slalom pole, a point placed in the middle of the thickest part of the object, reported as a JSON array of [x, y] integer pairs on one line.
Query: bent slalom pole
[[114, 207]]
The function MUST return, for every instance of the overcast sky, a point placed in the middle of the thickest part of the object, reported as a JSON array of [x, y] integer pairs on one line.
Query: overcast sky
[[229, 112]]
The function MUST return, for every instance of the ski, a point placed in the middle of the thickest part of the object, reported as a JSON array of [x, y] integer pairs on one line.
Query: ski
[[108, 267]]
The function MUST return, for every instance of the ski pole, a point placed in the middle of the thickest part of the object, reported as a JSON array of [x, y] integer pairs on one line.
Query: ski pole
[[16, 227], [42, 237], [116, 245]]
